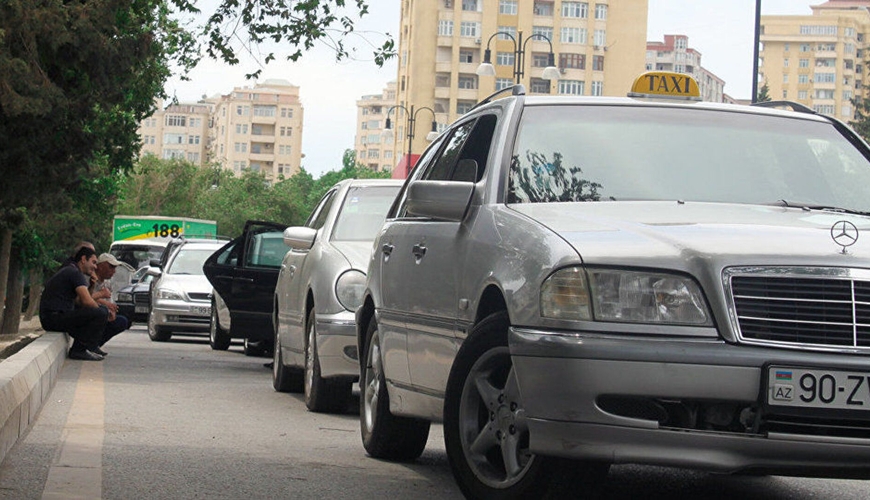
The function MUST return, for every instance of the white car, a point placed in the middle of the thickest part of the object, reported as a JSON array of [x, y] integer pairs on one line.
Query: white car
[[181, 294], [319, 288]]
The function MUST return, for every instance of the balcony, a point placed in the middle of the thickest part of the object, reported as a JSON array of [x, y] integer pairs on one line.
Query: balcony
[[444, 66], [442, 92], [263, 119]]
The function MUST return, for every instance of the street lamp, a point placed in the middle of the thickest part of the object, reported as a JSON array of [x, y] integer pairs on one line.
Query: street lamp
[[551, 72], [755, 51], [412, 119]]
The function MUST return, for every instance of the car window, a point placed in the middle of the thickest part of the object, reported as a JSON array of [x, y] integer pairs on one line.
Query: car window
[[189, 261], [319, 214], [363, 212], [265, 249], [476, 147], [230, 254], [398, 208], [441, 169], [600, 153]]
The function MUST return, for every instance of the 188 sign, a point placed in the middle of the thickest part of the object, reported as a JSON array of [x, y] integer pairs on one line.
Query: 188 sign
[[165, 230]]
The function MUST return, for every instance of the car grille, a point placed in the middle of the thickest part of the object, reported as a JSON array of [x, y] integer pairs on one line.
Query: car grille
[[142, 298], [204, 297], [779, 307]]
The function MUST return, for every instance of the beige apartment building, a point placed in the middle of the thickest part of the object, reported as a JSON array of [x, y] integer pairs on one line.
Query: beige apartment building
[[674, 54], [372, 148], [258, 128], [599, 47], [177, 131], [817, 60]]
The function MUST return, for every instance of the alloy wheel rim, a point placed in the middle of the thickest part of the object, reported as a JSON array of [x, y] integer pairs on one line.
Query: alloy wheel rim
[[309, 361], [276, 353], [372, 382]]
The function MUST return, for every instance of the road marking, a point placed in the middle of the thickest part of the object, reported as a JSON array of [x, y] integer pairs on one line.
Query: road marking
[[77, 472]]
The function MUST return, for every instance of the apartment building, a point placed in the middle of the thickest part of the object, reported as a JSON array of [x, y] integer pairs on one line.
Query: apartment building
[[818, 59], [177, 131], [674, 54], [258, 128], [372, 148], [599, 47]]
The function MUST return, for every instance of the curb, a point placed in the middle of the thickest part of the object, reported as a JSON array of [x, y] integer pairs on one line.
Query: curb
[[26, 380]]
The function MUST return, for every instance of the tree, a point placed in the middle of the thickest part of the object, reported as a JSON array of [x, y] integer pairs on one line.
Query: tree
[[763, 93], [861, 123]]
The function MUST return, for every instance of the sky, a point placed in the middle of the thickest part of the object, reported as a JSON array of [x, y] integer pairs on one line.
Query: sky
[[721, 30]]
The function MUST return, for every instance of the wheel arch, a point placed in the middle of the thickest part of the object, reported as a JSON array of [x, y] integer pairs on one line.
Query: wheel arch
[[491, 301]]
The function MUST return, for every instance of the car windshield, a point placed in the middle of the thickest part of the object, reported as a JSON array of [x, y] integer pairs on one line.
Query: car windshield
[[136, 255], [363, 212], [189, 261], [615, 153]]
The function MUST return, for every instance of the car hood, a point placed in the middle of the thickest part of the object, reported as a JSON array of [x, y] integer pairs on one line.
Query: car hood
[[676, 234], [187, 283], [357, 253]]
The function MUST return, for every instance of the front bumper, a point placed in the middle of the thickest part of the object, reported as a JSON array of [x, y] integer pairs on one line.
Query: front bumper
[[182, 316], [694, 403], [337, 345]]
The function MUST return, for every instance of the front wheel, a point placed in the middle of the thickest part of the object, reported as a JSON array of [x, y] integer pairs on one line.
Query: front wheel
[[218, 338], [322, 395], [486, 432], [284, 379], [156, 332], [385, 435]]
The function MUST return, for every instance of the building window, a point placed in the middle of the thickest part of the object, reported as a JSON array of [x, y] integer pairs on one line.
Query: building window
[[193, 157], [463, 107], [374, 153], [373, 139], [504, 31], [540, 60], [175, 121], [572, 87], [824, 77], [467, 82], [388, 155], [469, 5], [824, 94], [786, 47], [195, 122], [785, 63], [503, 83], [803, 79], [241, 128], [802, 94], [507, 7], [543, 9], [445, 27], [600, 38], [285, 131], [546, 31], [805, 47], [597, 88], [193, 139], [573, 61], [573, 35], [466, 56], [819, 30], [598, 63], [505, 58], [286, 112], [681, 43], [785, 78], [284, 149], [785, 94], [469, 29], [174, 138], [803, 63], [264, 110], [241, 147], [539, 86], [825, 109], [171, 154], [847, 95], [575, 9], [601, 11]]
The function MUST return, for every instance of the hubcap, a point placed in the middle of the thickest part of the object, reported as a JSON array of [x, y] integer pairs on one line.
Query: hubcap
[[212, 331], [309, 360], [492, 424], [276, 354], [372, 382]]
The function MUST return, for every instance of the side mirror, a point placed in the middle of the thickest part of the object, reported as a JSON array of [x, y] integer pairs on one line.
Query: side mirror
[[154, 263], [154, 271], [299, 237], [444, 200]]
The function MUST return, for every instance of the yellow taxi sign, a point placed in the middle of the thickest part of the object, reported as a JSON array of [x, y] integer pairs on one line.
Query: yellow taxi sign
[[665, 84]]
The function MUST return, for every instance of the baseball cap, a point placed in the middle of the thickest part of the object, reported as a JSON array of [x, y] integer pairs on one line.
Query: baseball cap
[[107, 257]]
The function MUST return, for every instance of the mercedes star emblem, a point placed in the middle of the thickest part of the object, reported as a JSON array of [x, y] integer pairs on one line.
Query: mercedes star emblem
[[844, 234]]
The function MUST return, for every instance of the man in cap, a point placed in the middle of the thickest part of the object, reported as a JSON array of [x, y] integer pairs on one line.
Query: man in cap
[[102, 294]]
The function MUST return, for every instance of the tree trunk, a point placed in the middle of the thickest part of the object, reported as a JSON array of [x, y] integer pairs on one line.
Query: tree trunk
[[5, 252], [35, 294], [14, 296]]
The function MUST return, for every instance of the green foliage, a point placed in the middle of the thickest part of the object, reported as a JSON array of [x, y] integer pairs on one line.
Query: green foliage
[[861, 123], [764, 93]]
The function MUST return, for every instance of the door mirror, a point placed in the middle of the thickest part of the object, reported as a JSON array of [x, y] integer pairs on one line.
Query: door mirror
[[299, 237], [154, 263], [444, 200]]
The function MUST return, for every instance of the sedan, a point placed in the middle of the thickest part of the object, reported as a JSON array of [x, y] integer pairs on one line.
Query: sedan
[[319, 288]]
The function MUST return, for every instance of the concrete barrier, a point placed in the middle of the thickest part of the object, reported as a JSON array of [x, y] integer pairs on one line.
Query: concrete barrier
[[26, 380]]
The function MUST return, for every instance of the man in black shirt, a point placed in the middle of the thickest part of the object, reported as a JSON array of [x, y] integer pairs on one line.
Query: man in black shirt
[[67, 306]]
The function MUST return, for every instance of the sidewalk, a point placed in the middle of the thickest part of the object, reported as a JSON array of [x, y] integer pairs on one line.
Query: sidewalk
[[27, 376]]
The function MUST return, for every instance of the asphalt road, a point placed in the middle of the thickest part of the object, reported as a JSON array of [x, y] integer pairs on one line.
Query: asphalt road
[[177, 420]]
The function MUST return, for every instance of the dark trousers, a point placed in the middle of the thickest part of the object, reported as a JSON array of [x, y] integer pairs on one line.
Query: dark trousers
[[85, 325], [115, 327]]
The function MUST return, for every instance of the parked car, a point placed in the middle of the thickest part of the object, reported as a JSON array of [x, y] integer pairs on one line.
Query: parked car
[[624, 280], [134, 300], [180, 292], [319, 288], [243, 274]]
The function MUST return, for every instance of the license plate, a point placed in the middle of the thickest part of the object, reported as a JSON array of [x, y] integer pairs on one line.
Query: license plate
[[818, 388], [202, 310], [141, 309]]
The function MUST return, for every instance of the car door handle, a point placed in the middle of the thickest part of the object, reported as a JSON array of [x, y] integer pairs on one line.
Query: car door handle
[[246, 280], [419, 251], [387, 249]]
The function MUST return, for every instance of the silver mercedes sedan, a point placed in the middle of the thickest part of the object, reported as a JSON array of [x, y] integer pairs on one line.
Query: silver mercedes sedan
[[320, 287], [569, 283]]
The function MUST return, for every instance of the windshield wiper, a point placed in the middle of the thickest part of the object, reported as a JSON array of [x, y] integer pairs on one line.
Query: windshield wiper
[[810, 206]]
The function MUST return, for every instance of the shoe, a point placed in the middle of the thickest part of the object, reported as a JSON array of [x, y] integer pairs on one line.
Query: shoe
[[97, 350], [84, 356]]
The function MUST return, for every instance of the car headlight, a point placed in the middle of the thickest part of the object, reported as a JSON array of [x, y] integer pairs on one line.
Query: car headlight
[[624, 296], [125, 297], [349, 289], [168, 293]]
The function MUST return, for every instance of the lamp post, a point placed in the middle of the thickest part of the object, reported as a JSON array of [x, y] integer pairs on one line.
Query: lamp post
[[755, 51], [412, 120], [551, 72]]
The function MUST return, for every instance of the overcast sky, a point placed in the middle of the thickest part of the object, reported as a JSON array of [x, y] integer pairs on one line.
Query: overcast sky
[[721, 30]]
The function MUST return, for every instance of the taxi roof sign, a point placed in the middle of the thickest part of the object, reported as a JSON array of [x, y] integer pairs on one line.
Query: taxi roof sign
[[665, 84]]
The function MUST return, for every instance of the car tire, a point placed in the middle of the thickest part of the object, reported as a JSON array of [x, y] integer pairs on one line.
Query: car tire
[[157, 333], [385, 435], [489, 455], [284, 379], [218, 338], [322, 395]]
